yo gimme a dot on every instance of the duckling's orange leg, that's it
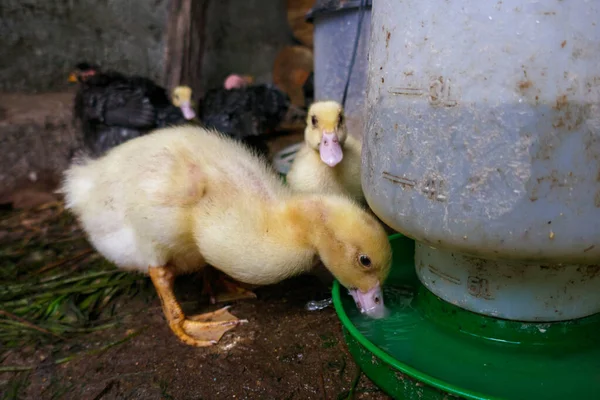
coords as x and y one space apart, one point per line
233 290
200 330
207 286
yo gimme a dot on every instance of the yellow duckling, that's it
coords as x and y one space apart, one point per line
180 198
181 97
329 161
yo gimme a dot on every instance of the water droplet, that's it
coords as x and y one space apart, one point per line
316 305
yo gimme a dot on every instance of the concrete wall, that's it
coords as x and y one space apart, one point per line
244 37
41 40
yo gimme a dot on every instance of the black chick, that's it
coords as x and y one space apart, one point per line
113 108
245 113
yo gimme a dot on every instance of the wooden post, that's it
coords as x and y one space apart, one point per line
292 66
184 47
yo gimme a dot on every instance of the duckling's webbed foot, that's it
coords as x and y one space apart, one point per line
211 326
200 330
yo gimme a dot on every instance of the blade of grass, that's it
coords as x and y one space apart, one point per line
15 369
27 323
24 327
25 301
76 355
63 261
51 285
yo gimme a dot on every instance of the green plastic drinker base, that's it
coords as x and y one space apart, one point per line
427 348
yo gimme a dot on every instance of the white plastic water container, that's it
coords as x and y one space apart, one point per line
482 142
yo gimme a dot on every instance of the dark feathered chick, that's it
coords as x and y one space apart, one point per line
246 112
113 108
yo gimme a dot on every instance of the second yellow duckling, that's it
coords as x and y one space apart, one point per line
179 198
330 160
181 97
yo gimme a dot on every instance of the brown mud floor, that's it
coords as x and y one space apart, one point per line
283 352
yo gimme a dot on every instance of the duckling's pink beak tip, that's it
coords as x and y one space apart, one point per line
370 303
330 149
187 110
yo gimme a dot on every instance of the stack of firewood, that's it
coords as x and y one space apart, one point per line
294 64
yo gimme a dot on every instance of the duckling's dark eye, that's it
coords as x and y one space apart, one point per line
364 260
314 121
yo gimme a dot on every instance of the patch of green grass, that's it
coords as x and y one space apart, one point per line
54 307
12 390
53 286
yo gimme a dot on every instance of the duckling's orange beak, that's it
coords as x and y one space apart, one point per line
371 302
330 149
72 77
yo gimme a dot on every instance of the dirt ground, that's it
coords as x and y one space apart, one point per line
283 352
